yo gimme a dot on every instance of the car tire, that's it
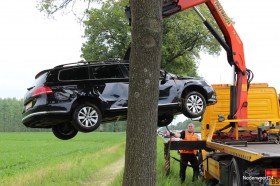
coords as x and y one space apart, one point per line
87 117
164 120
194 104
64 131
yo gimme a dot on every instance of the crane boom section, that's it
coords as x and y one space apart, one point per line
235 53
224 22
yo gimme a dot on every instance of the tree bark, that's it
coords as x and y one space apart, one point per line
140 155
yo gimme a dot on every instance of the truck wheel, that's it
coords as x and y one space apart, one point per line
194 104
64 131
234 174
87 117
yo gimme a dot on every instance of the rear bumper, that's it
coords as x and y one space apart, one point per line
45 119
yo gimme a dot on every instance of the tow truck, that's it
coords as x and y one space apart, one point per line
240 133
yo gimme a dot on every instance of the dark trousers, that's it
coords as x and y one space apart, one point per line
185 158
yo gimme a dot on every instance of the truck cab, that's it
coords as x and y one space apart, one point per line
249 155
263 111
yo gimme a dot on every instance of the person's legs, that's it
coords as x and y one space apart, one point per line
194 163
183 167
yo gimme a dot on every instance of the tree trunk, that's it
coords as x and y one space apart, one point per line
140 155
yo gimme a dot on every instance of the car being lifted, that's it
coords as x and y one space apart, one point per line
80 96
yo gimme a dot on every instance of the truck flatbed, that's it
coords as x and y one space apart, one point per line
267 150
249 152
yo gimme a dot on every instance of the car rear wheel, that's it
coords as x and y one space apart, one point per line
164 120
64 131
194 104
87 117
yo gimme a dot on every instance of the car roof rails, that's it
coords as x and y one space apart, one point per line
115 60
72 64
109 61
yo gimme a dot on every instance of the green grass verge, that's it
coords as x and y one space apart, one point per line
41 159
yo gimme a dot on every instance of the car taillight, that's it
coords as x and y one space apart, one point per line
273 172
42 90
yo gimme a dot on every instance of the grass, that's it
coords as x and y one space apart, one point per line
173 178
41 159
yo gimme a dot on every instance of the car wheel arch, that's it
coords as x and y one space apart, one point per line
193 88
87 99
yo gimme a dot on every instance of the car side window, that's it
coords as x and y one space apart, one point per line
127 68
106 72
80 73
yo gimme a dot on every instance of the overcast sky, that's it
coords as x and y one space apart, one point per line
29 43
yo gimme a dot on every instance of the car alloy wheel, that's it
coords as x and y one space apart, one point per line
87 117
194 105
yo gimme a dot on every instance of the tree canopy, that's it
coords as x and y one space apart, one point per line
108 35
107 32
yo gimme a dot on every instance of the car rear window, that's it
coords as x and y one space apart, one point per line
40 80
80 73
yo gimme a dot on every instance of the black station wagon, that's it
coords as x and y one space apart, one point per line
80 96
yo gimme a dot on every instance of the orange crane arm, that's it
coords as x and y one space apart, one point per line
231 43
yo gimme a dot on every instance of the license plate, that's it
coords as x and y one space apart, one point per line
274 181
28 105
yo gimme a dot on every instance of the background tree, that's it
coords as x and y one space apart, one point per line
108 35
107 32
10 116
145 58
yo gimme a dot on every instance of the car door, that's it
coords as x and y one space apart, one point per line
110 84
167 89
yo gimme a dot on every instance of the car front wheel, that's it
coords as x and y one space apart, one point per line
194 104
87 117
64 131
